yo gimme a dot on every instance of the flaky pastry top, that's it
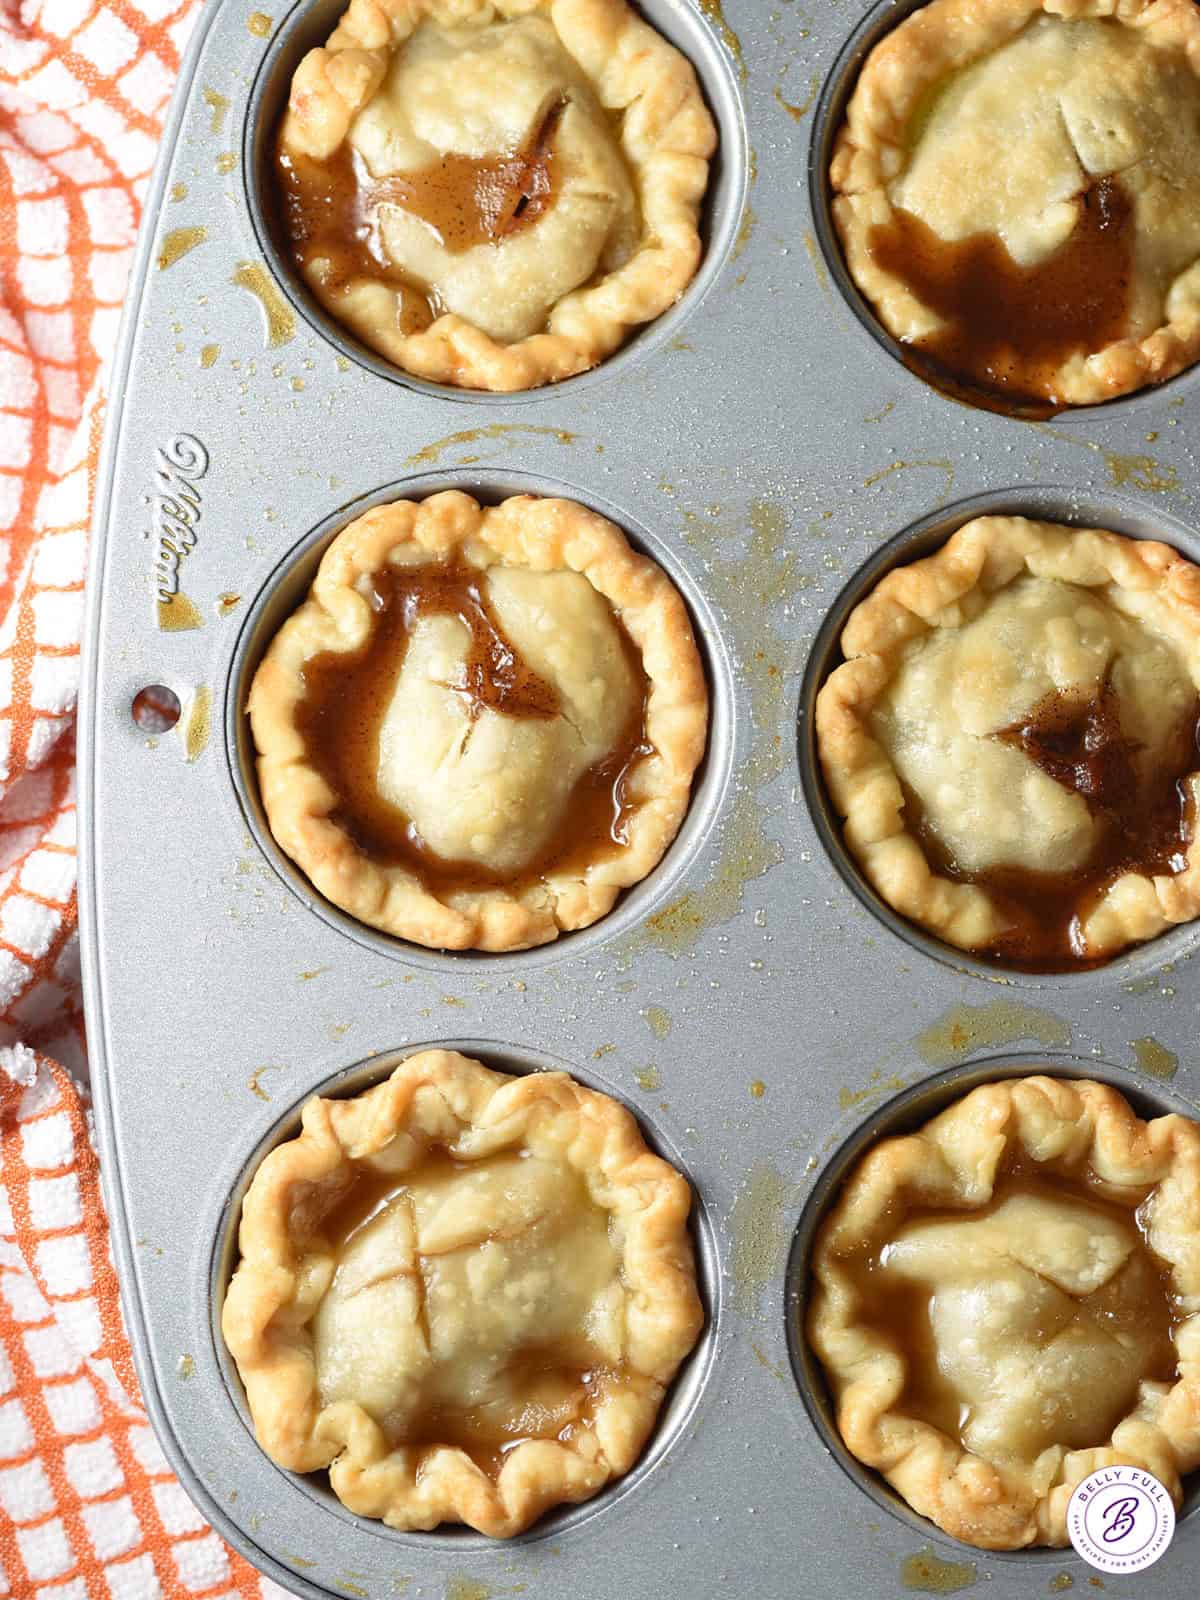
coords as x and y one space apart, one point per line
1034 1305
948 653
544 1236
406 83
999 117
485 788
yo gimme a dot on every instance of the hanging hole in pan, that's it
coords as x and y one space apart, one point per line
155 708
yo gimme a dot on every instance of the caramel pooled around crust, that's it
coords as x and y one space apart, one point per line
416 1412
1081 1133
1025 815
603 627
600 233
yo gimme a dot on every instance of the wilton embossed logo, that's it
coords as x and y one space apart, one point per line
1120 1519
175 518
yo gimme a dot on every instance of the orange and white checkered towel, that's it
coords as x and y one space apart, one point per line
88 1507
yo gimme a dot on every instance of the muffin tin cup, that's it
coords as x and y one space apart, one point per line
286 588
676 1419
310 22
749 1002
1073 508
903 1114
828 114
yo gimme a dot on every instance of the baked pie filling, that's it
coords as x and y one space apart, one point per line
1007 1301
1018 195
493 195
440 657
1031 1322
464 1293
464 738
1012 741
509 1263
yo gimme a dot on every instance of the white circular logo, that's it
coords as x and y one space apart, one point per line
1121 1519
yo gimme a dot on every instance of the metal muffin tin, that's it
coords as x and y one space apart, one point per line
752 1002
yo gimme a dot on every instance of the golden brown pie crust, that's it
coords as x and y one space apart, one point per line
666 138
524 532
876 146
1140 577
1082 1130
287 1265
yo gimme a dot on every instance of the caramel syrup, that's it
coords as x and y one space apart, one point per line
1080 744
557 1403
1146 827
557 1396
330 209
1007 328
347 695
900 1310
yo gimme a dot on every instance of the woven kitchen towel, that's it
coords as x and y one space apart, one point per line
88 1507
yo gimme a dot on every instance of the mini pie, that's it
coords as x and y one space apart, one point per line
1017 190
494 193
1012 741
483 723
464 1293
1009 1300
